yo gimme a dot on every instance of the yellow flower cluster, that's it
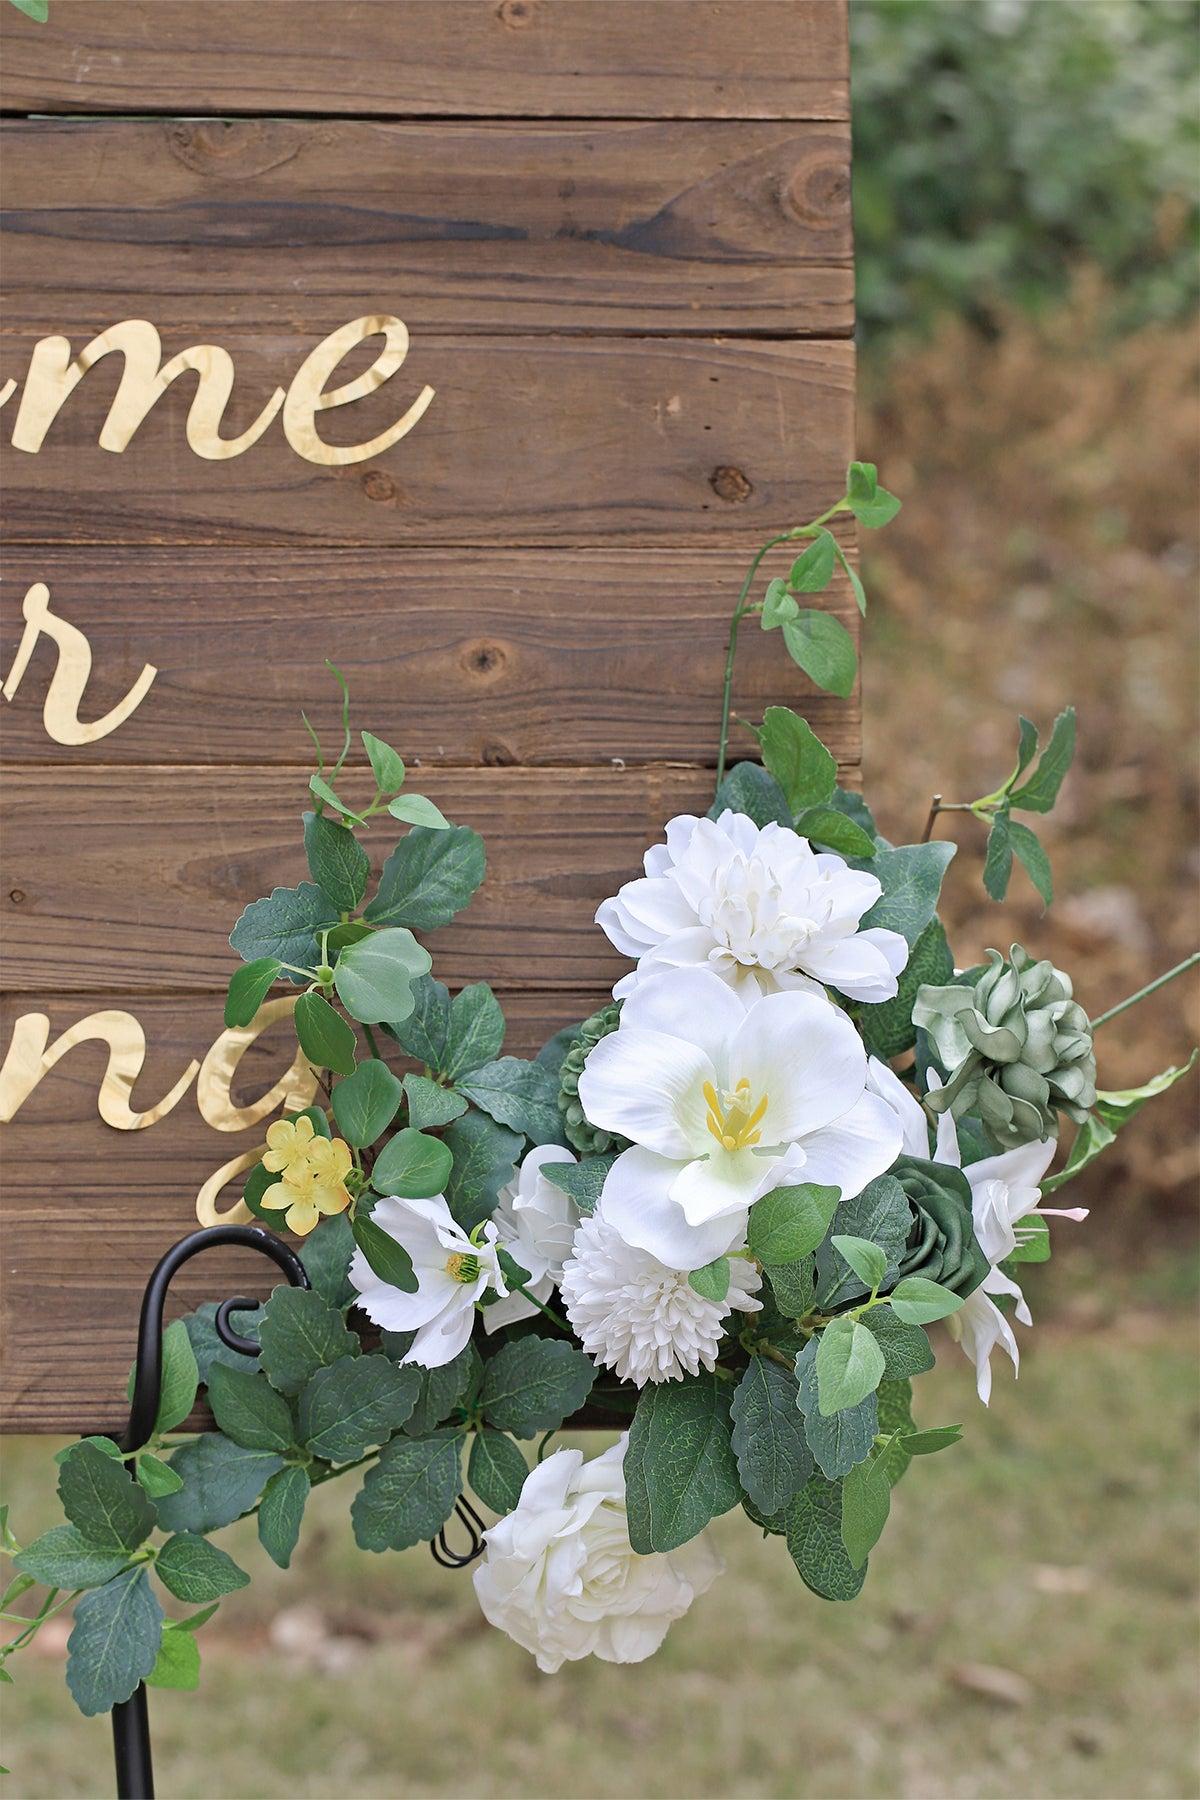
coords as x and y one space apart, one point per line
312 1173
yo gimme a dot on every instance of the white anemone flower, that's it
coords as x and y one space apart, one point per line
536 1222
451 1271
1004 1190
723 1102
635 1315
758 906
559 1575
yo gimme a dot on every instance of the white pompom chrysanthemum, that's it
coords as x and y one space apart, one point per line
639 1317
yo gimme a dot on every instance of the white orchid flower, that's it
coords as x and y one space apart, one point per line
452 1272
759 907
1004 1190
536 1223
725 1101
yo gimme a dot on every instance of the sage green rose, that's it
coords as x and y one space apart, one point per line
588 1139
1017 1045
942 1245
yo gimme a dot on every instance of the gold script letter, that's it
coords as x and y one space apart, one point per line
29 1059
60 715
53 375
298 1083
307 395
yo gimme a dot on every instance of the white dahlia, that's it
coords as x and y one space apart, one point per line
758 906
639 1317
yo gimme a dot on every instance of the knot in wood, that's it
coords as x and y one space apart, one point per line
378 486
728 483
484 659
515 14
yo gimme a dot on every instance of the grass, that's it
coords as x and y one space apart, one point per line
1055 1547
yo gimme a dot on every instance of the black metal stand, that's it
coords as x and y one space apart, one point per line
131 1719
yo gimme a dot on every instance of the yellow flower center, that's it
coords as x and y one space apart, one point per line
733 1117
462 1267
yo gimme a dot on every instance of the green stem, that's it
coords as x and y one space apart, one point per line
549 1311
739 613
370 1037
1189 962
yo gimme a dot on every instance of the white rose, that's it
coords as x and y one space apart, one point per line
560 1577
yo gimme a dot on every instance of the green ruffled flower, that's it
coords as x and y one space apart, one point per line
942 1244
1017 1046
588 1139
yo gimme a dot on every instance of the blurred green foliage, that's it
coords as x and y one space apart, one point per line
1000 144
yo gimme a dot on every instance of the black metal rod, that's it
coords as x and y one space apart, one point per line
131 1718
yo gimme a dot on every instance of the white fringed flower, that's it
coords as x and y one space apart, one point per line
536 1222
641 1318
560 1576
451 1271
759 907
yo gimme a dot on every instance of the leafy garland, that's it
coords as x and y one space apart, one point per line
796 1405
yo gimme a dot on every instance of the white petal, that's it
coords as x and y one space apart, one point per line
648 1087
516 1306
653 907
858 966
637 1203
805 1056
1021 1168
862 1144
692 1004
442 1338
908 1109
722 1186
979 1326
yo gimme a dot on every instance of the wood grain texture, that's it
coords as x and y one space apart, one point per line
756 59
482 657
548 441
151 867
475 228
88 1211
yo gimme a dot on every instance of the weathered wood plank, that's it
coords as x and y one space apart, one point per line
548 441
496 657
695 228
519 58
88 1210
149 868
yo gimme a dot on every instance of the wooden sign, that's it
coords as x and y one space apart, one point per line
482 371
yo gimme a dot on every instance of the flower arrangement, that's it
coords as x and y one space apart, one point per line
720 1215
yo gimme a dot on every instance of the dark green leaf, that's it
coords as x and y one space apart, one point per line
374 977
280 1512
365 1104
429 1104
412 1165
792 1286
326 1257
425 1033
522 1095
62 1557
101 1498
428 878
337 861
583 1180
206 1345
409 1493
114 1643
534 1383
796 757
1032 858
387 765
248 988
849 1366
880 1213
284 925
325 1037
752 790
680 1470
1040 791
347 1409
712 1281
814 1541
496 1470
888 1029
928 1443
485 1155
997 862
773 1457
180 1378
1027 743
905 1348
301 1333
221 1481
441 1390
828 826
475 1033
821 646
911 877
790 1222
249 1410
177 1664
387 1257
855 580
812 570
196 1571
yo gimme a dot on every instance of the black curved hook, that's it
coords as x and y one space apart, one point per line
440 1550
130 1718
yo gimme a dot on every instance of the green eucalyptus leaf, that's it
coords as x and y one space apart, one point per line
712 1281
374 977
849 1365
918 1301
413 1165
790 1222
248 988
911 878
754 791
417 809
366 1102
388 1258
